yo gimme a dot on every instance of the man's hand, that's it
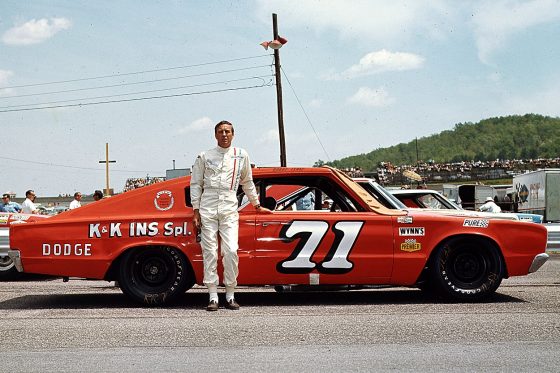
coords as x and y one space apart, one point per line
196 219
263 210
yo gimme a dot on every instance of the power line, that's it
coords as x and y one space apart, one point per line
73 167
136 99
305 113
139 92
136 72
134 83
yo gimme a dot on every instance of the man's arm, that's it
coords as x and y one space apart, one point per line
197 182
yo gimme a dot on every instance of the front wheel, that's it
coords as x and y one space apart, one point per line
8 269
154 275
467 269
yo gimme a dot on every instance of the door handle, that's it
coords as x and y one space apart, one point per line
267 223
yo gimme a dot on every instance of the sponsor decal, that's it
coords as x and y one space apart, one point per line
476 223
411 245
67 249
4 218
164 200
138 229
412 231
404 219
19 217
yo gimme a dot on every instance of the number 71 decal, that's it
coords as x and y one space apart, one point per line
310 235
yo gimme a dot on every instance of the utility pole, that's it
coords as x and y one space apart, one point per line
279 94
107 161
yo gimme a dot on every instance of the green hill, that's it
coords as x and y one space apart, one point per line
511 137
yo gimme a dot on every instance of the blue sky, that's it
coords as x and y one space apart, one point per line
369 74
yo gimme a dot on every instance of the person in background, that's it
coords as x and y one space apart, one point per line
28 207
97 195
9 206
76 202
490 206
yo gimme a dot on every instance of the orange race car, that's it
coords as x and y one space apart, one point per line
145 240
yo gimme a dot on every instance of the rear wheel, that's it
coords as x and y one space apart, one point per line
467 269
154 275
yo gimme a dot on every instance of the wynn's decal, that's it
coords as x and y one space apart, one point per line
164 200
412 231
66 249
476 223
4 218
411 245
138 229
310 235
404 219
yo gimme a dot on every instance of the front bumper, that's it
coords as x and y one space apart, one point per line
538 261
16 258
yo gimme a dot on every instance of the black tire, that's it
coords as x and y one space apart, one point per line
467 269
8 269
154 275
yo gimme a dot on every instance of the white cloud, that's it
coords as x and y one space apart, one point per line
362 19
382 61
496 21
371 97
35 31
199 125
269 137
316 103
4 77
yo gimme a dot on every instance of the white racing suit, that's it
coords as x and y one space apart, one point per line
216 175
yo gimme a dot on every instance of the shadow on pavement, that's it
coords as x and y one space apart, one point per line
246 298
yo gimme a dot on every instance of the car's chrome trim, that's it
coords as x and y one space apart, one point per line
539 260
16 258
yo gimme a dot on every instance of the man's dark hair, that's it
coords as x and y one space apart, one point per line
77 194
29 192
98 193
5 195
223 122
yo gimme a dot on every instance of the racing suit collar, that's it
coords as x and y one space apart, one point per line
222 150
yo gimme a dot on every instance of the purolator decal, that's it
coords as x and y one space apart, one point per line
411 245
476 223
412 231
164 200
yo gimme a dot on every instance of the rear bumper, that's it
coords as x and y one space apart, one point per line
538 261
16 258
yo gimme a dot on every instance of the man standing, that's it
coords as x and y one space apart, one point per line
490 206
7 205
28 207
216 175
76 202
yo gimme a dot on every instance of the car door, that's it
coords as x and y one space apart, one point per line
318 247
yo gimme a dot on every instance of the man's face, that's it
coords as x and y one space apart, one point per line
78 197
31 196
224 135
5 200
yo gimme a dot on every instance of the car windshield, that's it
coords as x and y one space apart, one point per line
370 199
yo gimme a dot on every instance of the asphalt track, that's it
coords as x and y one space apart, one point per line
49 326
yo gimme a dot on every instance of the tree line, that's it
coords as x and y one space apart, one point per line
528 136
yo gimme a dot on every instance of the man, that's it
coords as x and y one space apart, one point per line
76 202
97 195
216 176
490 206
28 207
7 205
